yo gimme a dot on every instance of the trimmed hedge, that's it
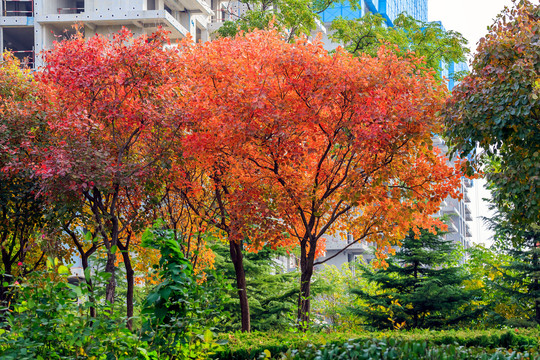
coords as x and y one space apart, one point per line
243 346
393 349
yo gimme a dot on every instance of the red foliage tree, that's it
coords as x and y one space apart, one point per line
22 214
317 143
110 106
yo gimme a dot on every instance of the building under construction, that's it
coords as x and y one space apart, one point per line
28 27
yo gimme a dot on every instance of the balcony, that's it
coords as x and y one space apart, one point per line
468 232
18 13
452 228
468 214
338 243
147 19
75 10
450 208
194 6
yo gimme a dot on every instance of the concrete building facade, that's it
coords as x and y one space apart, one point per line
28 27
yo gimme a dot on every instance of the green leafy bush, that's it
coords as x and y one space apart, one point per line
396 349
49 321
50 317
180 313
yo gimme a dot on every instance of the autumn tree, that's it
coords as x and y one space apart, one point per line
23 215
110 105
320 142
497 109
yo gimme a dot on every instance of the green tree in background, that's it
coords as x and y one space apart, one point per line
422 287
484 268
497 108
295 17
423 39
520 278
335 300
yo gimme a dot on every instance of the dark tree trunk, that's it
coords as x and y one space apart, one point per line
536 286
304 298
130 284
88 279
237 259
110 267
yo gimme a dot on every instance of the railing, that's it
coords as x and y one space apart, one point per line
28 12
70 10
221 16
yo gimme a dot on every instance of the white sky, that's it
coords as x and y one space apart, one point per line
471 18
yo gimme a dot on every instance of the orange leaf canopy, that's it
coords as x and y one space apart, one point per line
327 142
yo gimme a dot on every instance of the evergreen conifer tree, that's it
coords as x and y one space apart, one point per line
521 277
272 293
420 288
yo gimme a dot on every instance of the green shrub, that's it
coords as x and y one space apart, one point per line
50 319
179 313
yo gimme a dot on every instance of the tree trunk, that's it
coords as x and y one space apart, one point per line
110 268
304 301
110 291
93 312
130 283
304 298
237 259
536 286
